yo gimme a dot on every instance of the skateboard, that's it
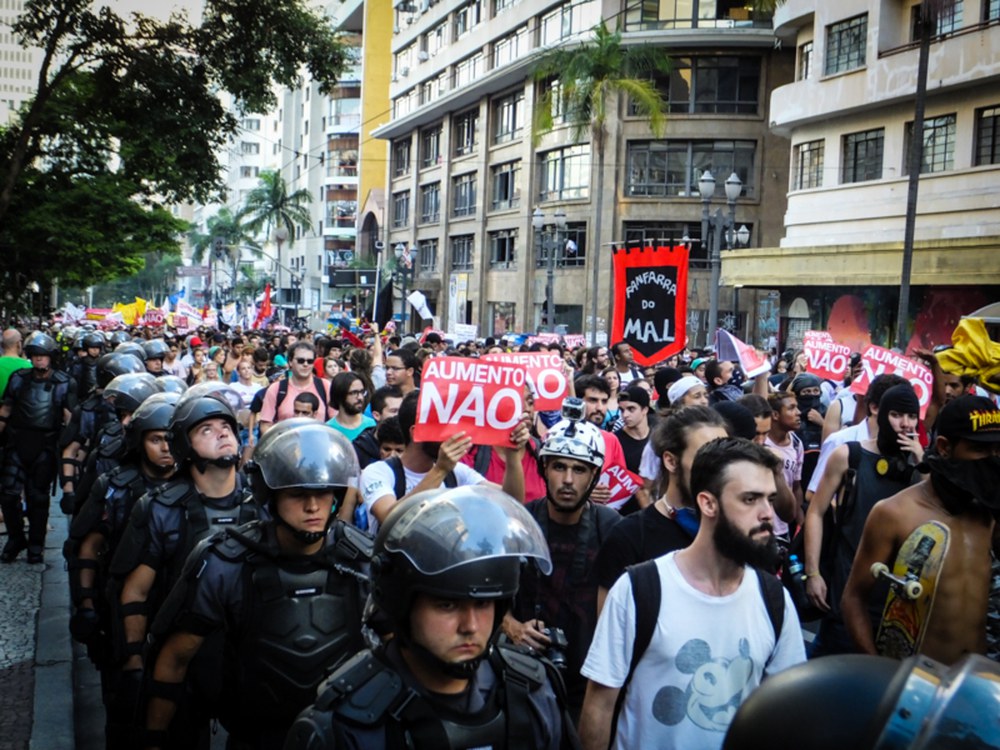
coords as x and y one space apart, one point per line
912 586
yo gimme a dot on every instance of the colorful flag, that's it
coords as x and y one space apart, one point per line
264 314
730 348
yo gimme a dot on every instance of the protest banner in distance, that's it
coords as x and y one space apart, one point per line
544 373
622 483
825 358
484 399
876 360
730 348
651 301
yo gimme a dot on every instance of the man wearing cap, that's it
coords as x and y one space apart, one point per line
962 491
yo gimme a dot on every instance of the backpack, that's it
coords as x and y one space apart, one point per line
645 580
318 384
396 464
481 462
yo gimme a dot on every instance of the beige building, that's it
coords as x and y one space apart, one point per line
18 66
465 174
849 116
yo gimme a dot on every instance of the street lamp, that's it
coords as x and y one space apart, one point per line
720 225
279 235
550 244
405 258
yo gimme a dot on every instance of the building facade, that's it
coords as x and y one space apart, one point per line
466 168
849 117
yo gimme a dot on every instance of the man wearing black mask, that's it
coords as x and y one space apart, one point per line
962 492
883 466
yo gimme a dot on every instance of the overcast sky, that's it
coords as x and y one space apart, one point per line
157 8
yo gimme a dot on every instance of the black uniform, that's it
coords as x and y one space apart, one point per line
84 371
86 427
375 702
287 620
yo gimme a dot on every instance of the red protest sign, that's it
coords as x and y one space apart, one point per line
825 358
154 317
482 398
622 483
545 376
876 360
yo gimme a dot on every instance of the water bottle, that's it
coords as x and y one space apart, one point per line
796 582
795 567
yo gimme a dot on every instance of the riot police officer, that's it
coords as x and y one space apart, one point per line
287 592
156 351
206 495
88 347
37 404
445 567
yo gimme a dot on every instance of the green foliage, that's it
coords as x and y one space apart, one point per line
224 224
270 206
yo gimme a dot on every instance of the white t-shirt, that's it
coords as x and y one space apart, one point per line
857 432
377 481
706 656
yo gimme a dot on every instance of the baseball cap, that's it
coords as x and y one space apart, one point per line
969 418
636 396
698 363
195 342
679 389
739 419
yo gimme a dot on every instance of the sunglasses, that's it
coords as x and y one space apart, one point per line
304 361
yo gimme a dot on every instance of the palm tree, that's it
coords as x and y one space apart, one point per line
593 75
224 224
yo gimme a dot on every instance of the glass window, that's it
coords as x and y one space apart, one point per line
427 257
673 168
572 246
808 165
505 181
805 61
400 158
949 19
468 70
508 117
991 10
501 5
461 253
401 208
430 146
435 39
249 148
467 18
988 135
863 156
711 84
430 203
466 132
463 195
507 49
565 173
504 317
656 233
557 25
503 248
939 145
846 42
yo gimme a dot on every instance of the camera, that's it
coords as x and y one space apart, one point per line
558 643
573 409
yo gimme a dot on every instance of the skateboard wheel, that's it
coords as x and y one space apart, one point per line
913 589
879 569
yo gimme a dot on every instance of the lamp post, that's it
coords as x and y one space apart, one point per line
404 265
720 224
279 235
549 241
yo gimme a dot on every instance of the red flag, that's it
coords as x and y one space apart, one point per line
351 339
265 308
728 347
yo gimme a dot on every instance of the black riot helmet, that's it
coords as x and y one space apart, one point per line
156 349
132 347
152 415
126 392
118 337
199 403
172 384
302 453
40 344
92 340
113 364
461 543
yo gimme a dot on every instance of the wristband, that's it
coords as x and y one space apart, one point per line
814 574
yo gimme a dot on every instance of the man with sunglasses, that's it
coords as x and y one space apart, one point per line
280 395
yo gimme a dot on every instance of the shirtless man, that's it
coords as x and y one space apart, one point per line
962 493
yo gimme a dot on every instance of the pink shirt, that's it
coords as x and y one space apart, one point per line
287 408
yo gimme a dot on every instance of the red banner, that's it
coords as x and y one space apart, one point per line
545 376
651 301
265 309
622 483
825 358
875 360
153 317
482 398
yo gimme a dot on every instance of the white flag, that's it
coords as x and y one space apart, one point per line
419 301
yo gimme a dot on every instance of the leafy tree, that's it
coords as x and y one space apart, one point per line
593 75
270 206
229 226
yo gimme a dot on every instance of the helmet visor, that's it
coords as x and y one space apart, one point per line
310 455
438 531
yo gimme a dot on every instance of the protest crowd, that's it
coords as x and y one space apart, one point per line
358 539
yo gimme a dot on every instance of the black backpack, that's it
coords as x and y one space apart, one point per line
318 384
396 464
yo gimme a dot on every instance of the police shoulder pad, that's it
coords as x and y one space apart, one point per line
122 476
521 662
362 691
353 544
173 492
234 543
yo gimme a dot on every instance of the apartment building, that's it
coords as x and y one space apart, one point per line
849 116
466 171
18 66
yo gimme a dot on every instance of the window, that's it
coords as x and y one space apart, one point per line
248 148
401 208
991 10
427 256
249 171
808 165
673 167
863 156
556 25
552 94
949 19
468 70
251 123
988 135
502 248
505 181
504 317
466 132
430 146
565 173
712 84
461 253
508 116
467 17
845 44
403 61
507 49
805 61
463 195
501 5
400 158
655 233
434 40
430 203
939 145
573 251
